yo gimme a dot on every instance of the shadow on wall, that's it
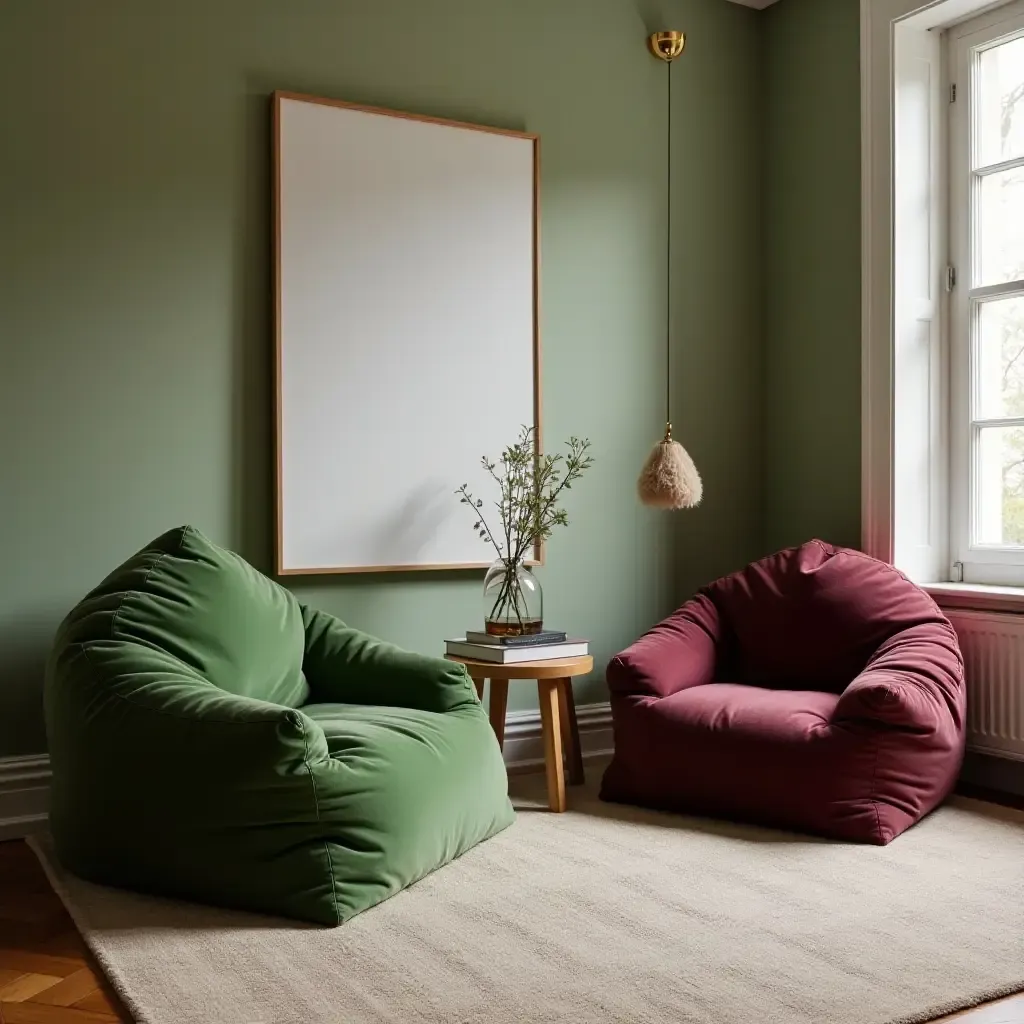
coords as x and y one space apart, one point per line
657 15
253 400
25 642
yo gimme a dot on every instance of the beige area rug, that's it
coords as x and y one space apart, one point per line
606 914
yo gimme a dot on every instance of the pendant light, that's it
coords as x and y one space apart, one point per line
669 478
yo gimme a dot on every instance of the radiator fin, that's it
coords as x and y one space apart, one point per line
993 649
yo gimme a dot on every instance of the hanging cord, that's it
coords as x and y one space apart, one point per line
668 269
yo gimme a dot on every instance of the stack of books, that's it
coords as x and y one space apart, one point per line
508 650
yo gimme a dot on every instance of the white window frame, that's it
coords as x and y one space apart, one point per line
920 343
883 22
979 563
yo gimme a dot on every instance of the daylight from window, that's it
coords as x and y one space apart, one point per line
998 323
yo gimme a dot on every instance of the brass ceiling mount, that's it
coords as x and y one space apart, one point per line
666 46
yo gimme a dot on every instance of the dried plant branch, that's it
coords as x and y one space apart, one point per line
531 486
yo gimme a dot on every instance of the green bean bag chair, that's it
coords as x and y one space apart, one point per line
213 739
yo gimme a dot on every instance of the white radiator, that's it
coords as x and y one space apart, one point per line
993 649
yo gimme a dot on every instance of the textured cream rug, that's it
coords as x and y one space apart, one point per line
606 914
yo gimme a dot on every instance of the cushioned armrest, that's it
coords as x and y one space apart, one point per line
346 666
911 682
172 710
678 653
884 698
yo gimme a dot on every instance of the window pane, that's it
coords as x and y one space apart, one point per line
1000 477
1001 227
1001 102
1000 359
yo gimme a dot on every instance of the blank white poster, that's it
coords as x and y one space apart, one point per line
406 318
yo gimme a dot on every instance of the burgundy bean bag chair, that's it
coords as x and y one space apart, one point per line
817 690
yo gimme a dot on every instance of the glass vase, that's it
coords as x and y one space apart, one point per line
513 600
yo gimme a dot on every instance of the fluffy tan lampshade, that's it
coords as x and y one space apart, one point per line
669 478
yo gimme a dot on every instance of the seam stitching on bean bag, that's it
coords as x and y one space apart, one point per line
871 794
130 593
319 821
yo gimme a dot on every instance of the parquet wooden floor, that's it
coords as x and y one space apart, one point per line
48 977
46 973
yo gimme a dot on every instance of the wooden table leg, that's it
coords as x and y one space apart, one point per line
547 692
498 707
570 733
479 684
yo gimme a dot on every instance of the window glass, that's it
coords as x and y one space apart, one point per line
1000 477
1000 107
1001 227
999 365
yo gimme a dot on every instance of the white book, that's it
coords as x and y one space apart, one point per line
514 655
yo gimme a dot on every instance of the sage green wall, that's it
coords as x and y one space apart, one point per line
135 286
812 272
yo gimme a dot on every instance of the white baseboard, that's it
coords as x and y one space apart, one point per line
524 745
25 781
24 794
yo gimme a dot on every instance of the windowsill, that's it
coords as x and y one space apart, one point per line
977 596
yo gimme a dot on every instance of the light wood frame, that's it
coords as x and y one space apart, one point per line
277 98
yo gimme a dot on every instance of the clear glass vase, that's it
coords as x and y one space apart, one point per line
513 600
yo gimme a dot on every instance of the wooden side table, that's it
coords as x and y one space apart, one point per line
557 711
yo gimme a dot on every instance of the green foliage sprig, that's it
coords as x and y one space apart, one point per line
531 486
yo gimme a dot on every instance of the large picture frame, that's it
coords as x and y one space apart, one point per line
407 340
